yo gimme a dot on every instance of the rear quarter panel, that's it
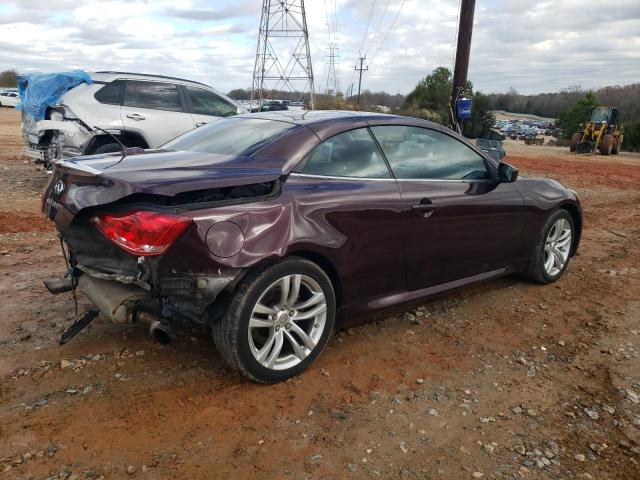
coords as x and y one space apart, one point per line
82 103
349 223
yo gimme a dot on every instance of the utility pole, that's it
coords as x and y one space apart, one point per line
349 91
362 59
463 49
283 35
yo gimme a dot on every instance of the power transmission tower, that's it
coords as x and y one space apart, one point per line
283 36
463 49
360 70
333 85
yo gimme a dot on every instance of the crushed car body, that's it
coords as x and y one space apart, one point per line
193 184
65 115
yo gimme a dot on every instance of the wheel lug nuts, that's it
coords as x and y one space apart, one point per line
277 328
288 326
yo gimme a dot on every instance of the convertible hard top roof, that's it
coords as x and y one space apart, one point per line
305 117
326 123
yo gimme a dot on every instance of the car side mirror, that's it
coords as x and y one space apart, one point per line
507 173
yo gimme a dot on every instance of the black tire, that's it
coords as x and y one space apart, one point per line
107 148
606 145
617 145
575 139
230 332
536 271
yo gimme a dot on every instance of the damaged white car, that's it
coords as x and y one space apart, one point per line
105 111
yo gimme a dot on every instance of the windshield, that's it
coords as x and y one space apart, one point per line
599 115
230 136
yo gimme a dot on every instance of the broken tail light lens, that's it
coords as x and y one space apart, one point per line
141 232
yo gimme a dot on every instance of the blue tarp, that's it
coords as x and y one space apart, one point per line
38 91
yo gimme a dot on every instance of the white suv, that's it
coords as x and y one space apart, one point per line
140 110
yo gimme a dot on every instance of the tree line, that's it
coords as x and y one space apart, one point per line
430 100
572 106
9 78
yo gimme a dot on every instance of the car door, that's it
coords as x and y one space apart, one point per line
207 106
348 198
156 110
460 221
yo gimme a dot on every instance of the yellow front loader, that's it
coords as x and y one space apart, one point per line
601 133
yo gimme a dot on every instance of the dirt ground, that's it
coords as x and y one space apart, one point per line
505 380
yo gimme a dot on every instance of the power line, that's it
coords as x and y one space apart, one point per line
366 31
455 38
335 19
332 86
384 39
384 13
331 19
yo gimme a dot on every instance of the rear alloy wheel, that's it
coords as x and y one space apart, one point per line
553 249
278 322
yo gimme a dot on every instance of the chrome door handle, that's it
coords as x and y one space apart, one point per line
199 124
136 116
425 208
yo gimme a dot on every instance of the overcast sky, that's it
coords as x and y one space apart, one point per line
531 46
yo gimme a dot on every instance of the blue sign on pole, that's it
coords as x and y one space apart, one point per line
463 108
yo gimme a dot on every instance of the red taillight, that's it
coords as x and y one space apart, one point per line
141 232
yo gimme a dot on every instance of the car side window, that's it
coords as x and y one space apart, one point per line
349 154
205 102
153 95
111 93
421 153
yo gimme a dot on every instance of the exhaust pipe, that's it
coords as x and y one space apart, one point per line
117 301
58 285
160 331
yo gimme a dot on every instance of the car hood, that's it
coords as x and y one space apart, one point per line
101 179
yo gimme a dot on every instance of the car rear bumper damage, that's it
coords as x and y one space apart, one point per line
147 297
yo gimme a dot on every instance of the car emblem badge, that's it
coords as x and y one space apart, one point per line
58 188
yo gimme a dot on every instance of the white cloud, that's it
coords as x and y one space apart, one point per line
531 46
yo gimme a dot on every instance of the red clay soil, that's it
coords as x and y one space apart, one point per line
23 222
505 380
595 170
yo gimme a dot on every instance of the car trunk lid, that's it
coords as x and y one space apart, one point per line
102 179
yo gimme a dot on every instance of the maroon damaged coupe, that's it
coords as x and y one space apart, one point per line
276 228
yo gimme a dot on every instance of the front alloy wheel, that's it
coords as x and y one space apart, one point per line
278 321
552 251
557 247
